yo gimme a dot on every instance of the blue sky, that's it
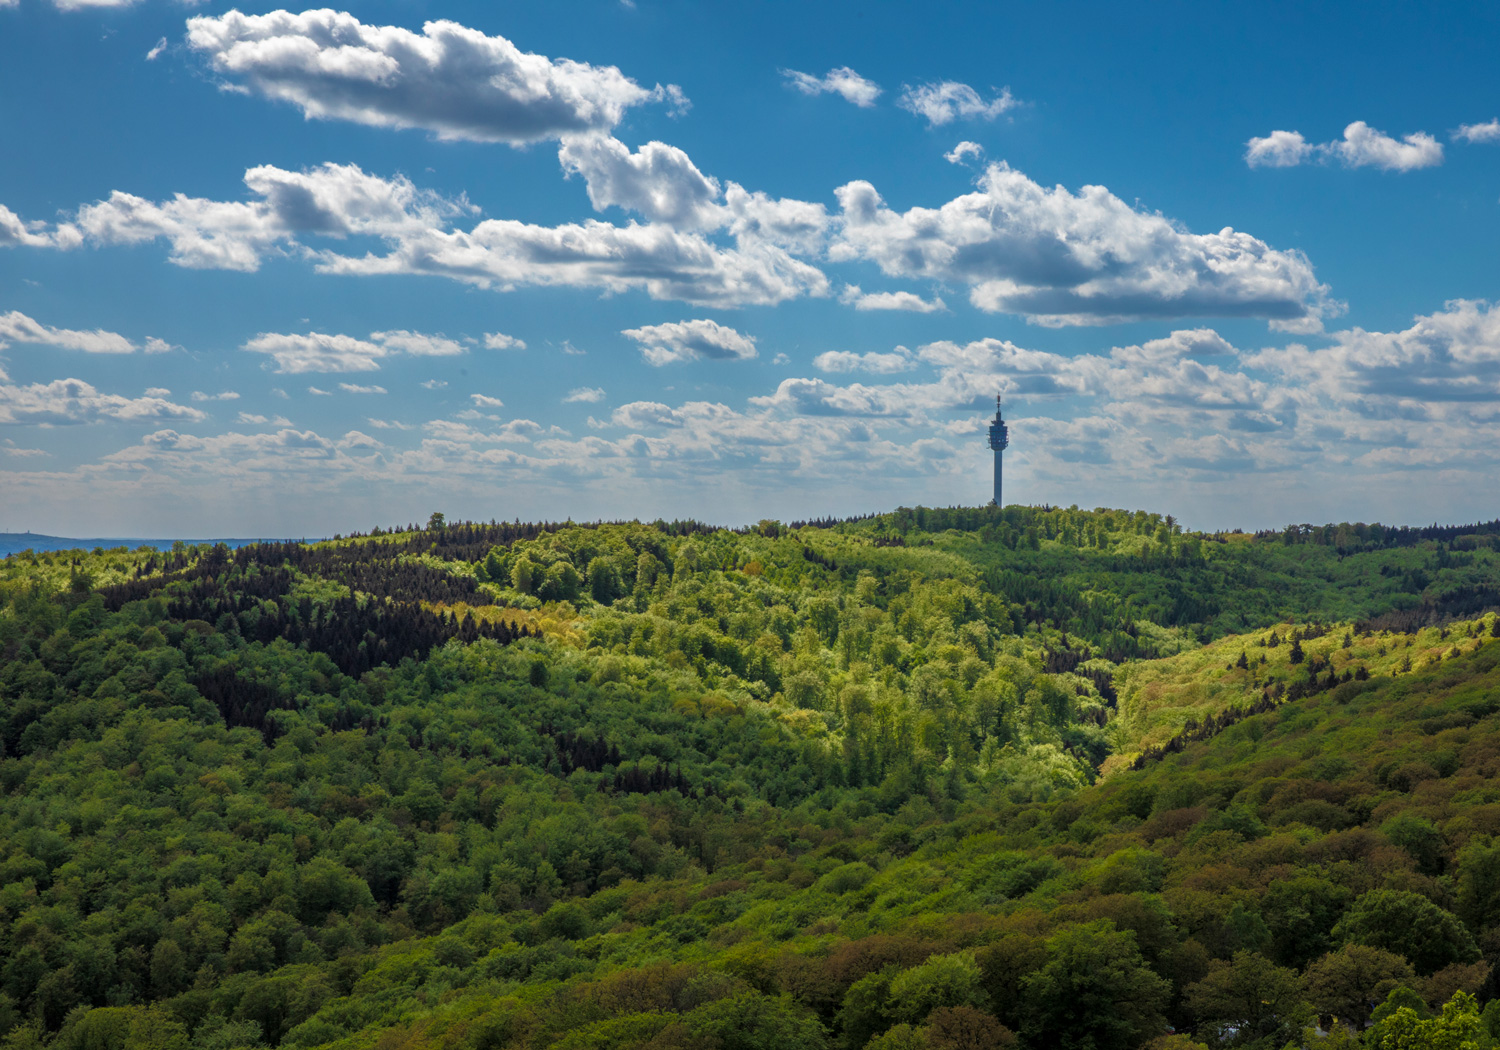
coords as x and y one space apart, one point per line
266 270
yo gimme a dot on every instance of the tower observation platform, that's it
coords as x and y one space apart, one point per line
999 441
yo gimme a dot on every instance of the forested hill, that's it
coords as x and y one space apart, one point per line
936 778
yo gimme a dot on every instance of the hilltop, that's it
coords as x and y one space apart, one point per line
940 777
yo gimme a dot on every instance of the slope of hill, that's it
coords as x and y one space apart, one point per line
959 778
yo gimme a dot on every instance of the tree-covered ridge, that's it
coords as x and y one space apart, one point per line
620 784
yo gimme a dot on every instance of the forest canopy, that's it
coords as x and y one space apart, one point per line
963 777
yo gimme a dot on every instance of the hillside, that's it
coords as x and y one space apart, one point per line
946 778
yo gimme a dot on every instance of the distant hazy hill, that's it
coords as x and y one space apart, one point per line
15 542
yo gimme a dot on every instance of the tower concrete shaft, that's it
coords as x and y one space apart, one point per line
999 441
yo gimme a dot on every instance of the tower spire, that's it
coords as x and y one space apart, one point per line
999 441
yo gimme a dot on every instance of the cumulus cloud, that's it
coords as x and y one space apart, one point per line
434 384
351 388
910 301
334 200
1452 356
501 341
258 420
842 81
963 151
317 352
1199 342
1362 146
658 181
900 360
485 401
338 202
225 395
1054 256
678 341
14 233
320 352
1060 258
588 394
1279 149
1184 407
16 327
418 344
662 184
65 401
1489 132
453 81
945 101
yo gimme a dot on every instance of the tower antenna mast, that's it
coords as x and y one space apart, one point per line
999 441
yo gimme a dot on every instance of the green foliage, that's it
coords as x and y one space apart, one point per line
1412 925
864 784
1094 991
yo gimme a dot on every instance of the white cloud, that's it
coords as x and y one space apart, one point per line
1489 132
15 233
317 352
501 341
842 81
900 360
517 430
1060 258
319 393
16 327
1362 146
1179 413
946 101
418 344
1199 342
351 388
909 301
678 341
1451 356
337 202
485 401
357 439
159 346
332 200
320 352
451 80
255 419
963 151
155 52
226 395
1279 149
434 384
658 181
588 394
64 401
158 391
